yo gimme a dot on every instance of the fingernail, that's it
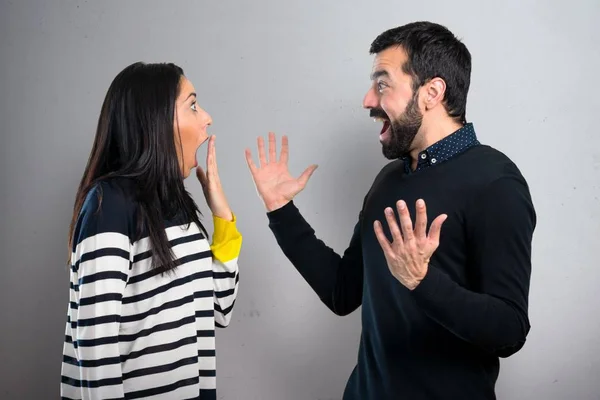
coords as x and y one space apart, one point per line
401 204
420 203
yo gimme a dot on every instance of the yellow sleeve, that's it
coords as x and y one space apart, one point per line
227 241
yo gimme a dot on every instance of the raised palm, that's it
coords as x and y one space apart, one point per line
274 183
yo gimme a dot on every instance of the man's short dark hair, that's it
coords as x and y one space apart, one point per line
433 51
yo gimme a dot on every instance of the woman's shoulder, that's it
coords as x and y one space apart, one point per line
108 207
113 195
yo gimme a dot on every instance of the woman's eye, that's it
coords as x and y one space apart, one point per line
194 106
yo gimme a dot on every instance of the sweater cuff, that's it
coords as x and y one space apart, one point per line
428 288
283 213
227 241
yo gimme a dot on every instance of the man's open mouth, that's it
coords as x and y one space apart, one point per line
385 129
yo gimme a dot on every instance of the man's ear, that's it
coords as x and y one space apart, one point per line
435 90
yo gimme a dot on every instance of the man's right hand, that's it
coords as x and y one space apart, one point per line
275 186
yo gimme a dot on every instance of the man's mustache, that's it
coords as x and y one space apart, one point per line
378 113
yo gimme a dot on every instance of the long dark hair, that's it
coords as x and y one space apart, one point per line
135 140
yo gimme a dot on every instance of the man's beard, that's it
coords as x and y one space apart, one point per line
402 130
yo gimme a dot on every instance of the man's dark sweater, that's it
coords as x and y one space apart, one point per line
442 340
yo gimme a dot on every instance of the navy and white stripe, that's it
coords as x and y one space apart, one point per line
132 332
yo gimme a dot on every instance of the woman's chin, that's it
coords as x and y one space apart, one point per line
186 172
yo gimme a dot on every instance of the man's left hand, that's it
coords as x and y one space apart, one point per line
408 254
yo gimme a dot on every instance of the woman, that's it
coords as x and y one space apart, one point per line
147 288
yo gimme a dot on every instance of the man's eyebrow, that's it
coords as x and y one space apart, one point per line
379 73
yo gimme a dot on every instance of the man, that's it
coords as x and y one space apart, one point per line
440 304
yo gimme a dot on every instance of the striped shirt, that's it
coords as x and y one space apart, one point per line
131 331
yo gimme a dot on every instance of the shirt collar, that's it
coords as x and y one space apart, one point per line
445 149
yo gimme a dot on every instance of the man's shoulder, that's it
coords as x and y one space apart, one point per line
491 174
489 164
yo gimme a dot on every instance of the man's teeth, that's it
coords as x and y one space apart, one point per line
379 120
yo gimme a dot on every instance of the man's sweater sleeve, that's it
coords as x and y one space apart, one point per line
337 280
494 316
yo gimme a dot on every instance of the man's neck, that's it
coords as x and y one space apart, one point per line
430 134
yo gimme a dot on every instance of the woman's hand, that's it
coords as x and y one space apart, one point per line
211 184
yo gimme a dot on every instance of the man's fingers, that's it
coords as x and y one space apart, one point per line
272 148
284 150
249 161
421 220
261 152
405 221
436 228
303 179
393 225
383 242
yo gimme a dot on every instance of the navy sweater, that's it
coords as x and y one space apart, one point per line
442 340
